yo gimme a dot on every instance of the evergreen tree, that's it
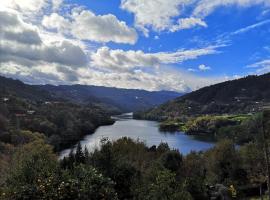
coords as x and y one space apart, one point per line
79 155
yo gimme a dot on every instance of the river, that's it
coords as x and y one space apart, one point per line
143 130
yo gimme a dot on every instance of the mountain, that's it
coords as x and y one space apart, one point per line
245 95
26 107
17 88
126 100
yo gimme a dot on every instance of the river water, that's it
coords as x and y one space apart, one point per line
146 131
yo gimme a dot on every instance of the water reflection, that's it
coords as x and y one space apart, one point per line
146 131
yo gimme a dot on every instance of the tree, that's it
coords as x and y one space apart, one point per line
32 166
194 173
79 155
165 187
266 136
84 183
172 160
253 163
223 164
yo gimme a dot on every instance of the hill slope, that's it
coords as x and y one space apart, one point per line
17 88
244 95
26 107
127 100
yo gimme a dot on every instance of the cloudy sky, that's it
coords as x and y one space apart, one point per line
178 45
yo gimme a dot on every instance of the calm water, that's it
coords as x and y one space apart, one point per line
143 130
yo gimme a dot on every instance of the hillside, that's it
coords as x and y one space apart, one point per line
12 87
126 100
26 107
243 95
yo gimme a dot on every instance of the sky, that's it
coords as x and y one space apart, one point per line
177 45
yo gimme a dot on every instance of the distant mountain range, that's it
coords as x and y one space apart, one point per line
120 100
127 100
243 95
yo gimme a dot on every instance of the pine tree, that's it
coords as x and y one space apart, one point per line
86 154
79 155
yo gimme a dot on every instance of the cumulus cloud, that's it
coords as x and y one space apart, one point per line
156 14
162 15
56 4
166 78
85 25
22 44
52 49
126 60
14 29
56 21
203 67
25 6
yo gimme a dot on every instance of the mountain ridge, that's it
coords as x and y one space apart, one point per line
115 99
126 100
244 95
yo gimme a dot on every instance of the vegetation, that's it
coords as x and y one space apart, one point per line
24 107
63 123
117 99
127 169
238 128
33 130
245 95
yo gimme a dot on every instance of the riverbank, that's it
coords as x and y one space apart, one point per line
214 127
145 131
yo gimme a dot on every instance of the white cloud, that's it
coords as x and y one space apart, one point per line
165 78
261 67
56 4
126 60
187 23
59 54
192 70
22 44
204 67
155 14
248 28
206 7
161 15
24 6
85 25
56 21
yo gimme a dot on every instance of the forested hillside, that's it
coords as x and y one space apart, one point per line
245 95
25 107
126 100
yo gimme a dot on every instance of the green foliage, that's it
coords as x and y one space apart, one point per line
253 162
172 160
32 166
35 174
127 169
85 182
63 123
194 171
223 164
165 187
245 95
209 124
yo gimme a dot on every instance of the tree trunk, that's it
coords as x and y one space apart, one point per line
261 195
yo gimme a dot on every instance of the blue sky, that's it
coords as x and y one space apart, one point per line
176 45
